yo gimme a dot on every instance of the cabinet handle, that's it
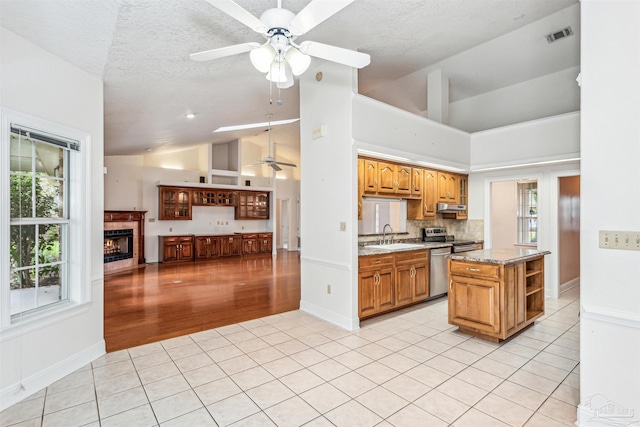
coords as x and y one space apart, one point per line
473 269
377 262
450 285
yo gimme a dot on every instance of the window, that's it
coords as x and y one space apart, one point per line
39 219
528 212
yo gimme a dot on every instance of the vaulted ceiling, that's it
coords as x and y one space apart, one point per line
140 48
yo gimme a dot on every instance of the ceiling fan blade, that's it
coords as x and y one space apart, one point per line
286 164
315 13
275 167
208 55
239 13
335 54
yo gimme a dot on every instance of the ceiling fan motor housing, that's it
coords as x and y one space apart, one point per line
276 18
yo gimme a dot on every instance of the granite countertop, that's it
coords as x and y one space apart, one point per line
215 234
366 250
498 256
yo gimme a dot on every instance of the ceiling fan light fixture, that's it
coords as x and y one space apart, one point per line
277 72
298 61
262 57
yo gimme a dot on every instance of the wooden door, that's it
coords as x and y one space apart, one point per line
420 281
370 177
447 188
360 186
226 245
170 249
175 203
386 289
386 178
417 182
186 249
403 180
367 284
429 194
202 247
404 282
475 303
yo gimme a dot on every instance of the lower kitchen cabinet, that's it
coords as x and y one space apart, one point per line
231 245
387 282
494 301
207 247
265 242
176 248
249 244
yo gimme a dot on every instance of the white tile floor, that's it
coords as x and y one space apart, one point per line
409 368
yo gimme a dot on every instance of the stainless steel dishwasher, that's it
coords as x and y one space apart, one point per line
438 276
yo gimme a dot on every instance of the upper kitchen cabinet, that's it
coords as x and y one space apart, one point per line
463 198
448 191
417 182
175 203
370 176
253 205
394 179
425 207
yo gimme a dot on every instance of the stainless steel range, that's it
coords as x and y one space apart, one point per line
438 264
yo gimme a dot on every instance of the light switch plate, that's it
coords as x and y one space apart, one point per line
343 226
626 240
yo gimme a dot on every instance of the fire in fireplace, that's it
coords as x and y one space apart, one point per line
118 245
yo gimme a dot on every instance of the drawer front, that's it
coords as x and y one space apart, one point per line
412 256
249 236
264 235
375 261
475 269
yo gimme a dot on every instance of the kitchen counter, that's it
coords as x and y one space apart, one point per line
498 256
366 250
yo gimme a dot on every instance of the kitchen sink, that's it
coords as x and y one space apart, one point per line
396 246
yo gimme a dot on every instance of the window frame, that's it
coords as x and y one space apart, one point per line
79 224
524 217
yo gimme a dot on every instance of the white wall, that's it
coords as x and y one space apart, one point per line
328 179
610 291
555 94
36 83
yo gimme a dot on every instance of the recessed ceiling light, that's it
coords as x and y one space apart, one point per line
255 125
190 115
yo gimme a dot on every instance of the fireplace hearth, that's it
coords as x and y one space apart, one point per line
118 245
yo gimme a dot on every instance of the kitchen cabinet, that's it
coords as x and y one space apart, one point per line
206 247
230 245
390 281
227 198
463 198
175 248
204 197
265 242
424 208
370 176
175 203
448 191
417 182
360 186
253 205
412 276
394 179
376 290
249 244
494 301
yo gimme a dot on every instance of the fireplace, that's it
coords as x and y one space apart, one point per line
118 245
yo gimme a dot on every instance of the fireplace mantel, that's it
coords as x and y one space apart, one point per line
130 216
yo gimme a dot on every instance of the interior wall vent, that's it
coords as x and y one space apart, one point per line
557 35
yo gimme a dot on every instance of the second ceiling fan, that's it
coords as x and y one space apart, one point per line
280 56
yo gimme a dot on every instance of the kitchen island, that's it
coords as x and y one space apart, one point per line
495 293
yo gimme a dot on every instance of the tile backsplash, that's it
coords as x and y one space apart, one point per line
471 229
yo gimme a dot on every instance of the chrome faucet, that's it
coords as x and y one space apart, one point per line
384 234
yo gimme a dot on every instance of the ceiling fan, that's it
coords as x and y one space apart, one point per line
280 57
271 161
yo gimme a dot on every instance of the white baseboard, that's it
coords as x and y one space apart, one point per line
330 316
569 284
17 392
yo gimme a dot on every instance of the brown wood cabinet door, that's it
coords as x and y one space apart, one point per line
447 188
403 179
429 194
367 284
170 252
420 282
404 281
386 178
475 304
360 186
175 203
186 249
370 177
417 181
386 289
202 247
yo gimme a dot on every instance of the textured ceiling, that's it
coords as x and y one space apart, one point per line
140 49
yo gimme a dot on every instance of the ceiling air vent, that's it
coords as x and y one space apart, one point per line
555 36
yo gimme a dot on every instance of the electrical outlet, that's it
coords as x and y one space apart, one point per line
343 226
152 220
626 240
329 289
170 229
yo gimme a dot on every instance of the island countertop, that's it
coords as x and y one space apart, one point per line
498 256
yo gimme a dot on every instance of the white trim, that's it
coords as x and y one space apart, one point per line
608 315
528 123
326 263
15 393
350 324
564 287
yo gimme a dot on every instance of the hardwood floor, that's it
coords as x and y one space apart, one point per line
161 301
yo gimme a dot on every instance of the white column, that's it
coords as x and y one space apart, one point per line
438 97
